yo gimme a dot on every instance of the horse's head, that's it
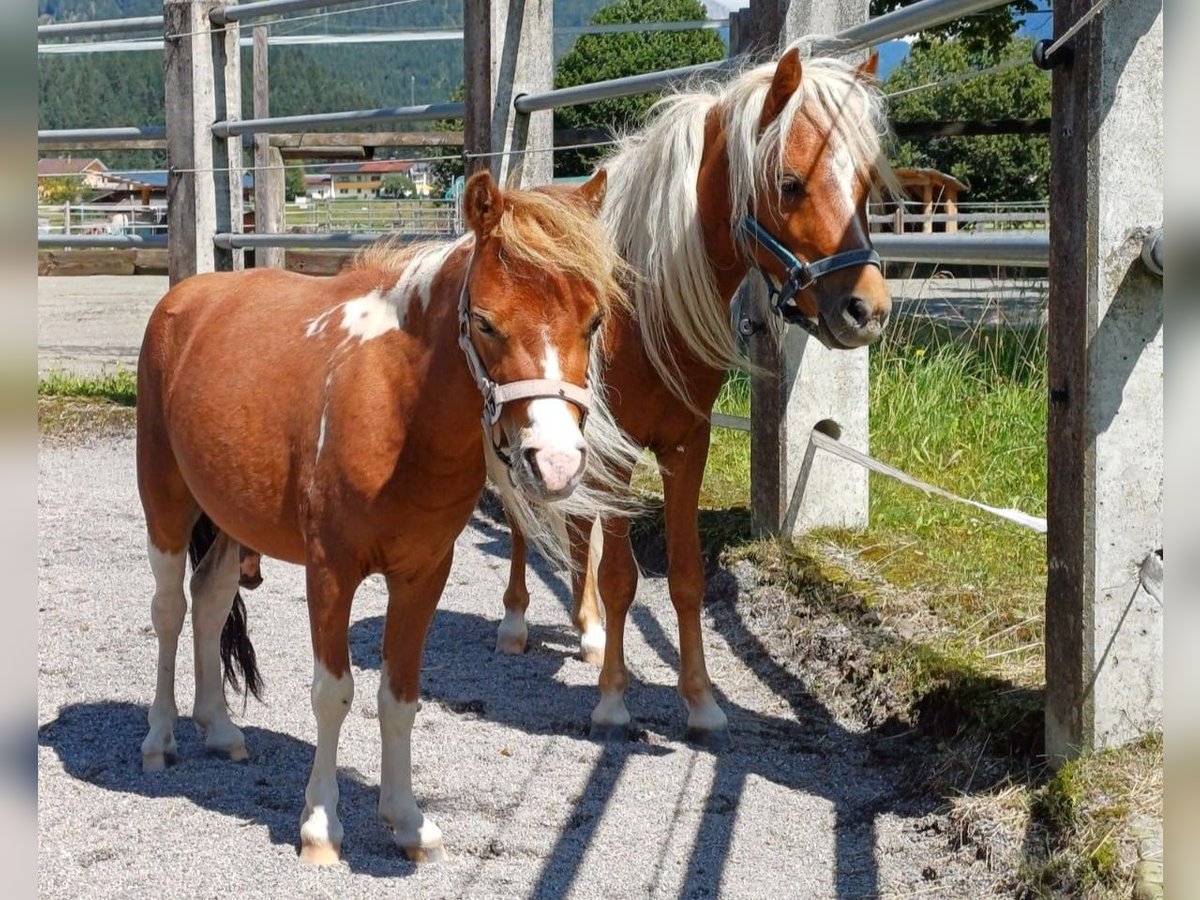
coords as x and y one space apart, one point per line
817 158
542 278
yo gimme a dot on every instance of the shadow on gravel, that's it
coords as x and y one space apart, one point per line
808 753
99 743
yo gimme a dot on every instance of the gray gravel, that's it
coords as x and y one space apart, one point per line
530 807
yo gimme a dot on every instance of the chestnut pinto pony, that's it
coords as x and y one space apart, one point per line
348 439
772 169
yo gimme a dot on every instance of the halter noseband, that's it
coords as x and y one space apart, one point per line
800 275
496 395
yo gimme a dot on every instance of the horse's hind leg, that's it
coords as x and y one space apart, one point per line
167 610
214 583
170 511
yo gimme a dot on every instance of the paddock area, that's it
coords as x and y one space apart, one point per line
800 805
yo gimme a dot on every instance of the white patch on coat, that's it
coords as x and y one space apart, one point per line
369 317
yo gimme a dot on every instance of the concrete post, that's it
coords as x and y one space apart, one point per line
269 183
202 83
793 488
522 54
1104 612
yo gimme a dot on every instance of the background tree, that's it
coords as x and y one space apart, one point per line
596 57
999 167
293 183
397 186
59 189
987 33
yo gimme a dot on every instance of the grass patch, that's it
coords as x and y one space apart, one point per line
117 386
1082 841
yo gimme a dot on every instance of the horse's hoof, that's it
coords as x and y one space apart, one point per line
434 853
154 762
714 740
234 753
249 582
592 656
607 733
510 646
321 854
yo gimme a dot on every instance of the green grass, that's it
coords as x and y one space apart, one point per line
118 386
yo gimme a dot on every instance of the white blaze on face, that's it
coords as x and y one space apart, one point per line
553 433
845 176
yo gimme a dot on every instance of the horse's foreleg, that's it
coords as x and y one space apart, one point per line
411 603
513 633
617 579
214 583
682 472
329 596
167 610
587 547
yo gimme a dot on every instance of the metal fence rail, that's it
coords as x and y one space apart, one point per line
1001 248
896 24
107 135
113 241
298 124
100 26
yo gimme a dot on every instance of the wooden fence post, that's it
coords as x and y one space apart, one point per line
1104 614
793 488
509 50
202 83
269 181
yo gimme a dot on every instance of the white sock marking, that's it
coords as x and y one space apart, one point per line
331 699
397 804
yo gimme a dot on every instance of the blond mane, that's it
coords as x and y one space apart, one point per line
551 232
652 207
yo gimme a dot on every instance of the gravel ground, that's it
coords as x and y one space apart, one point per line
800 806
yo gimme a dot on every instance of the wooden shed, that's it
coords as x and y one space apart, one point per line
931 193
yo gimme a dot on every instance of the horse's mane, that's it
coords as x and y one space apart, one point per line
652 207
538 231
548 231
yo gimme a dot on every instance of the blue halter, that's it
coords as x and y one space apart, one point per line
800 275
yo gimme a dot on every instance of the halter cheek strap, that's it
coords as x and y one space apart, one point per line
800 275
496 395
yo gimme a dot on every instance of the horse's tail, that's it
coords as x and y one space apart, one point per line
237 653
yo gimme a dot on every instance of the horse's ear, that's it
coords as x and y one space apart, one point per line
592 191
483 203
783 85
866 71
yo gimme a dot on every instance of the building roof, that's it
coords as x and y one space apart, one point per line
373 167
66 165
912 175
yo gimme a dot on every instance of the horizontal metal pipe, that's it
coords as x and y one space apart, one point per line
616 87
108 135
898 23
736 423
102 240
1029 248
294 124
101 26
902 22
337 240
244 12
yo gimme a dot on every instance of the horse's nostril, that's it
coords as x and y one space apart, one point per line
858 312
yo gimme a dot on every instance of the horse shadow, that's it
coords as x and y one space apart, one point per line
96 743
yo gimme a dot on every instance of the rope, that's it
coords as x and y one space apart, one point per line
1074 29
962 76
249 168
837 448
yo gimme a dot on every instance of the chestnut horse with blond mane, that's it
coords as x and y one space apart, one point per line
348 439
771 170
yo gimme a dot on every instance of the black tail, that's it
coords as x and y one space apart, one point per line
237 653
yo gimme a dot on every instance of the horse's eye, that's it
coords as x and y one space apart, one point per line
484 326
594 326
792 186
